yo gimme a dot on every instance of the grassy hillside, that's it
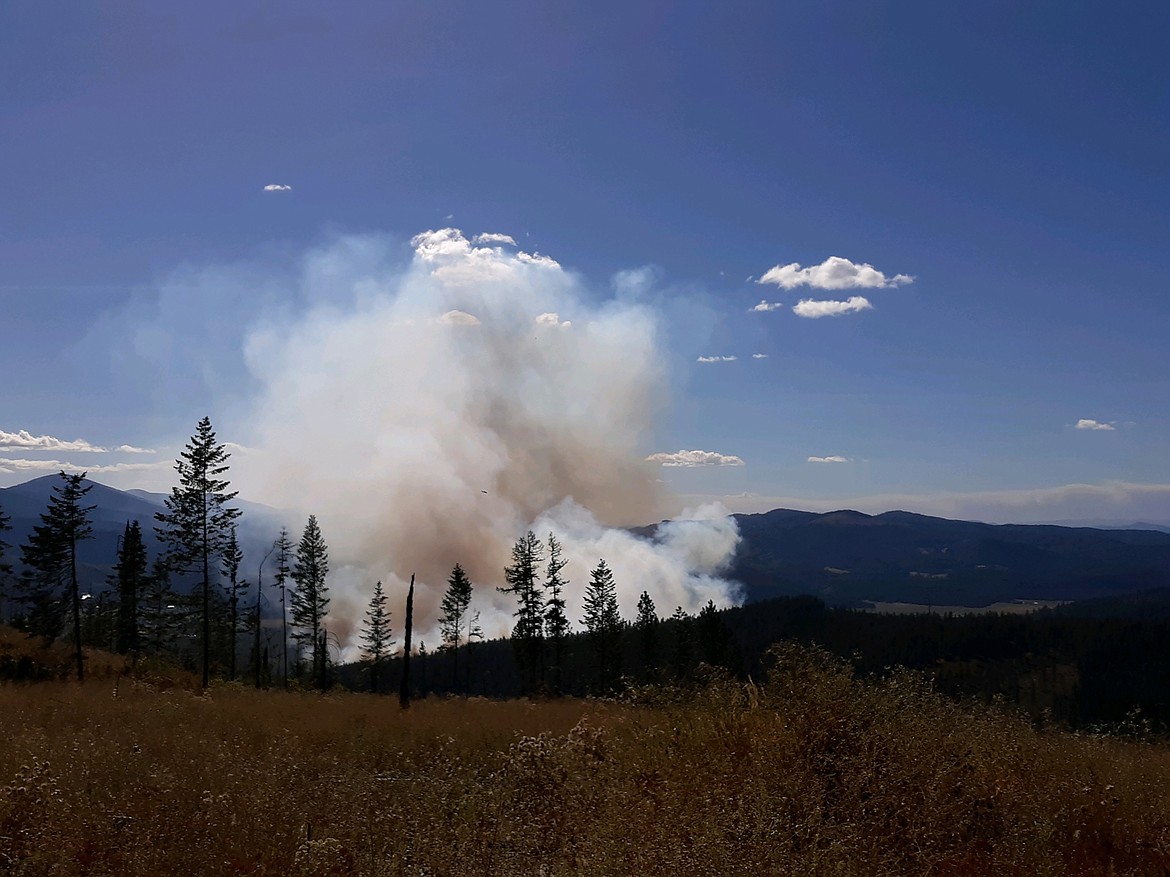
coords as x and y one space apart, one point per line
811 772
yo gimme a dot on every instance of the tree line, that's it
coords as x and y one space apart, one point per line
148 615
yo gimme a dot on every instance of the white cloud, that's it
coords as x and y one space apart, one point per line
493 238
694 459
455 261
553 321
10 466
1086 423
833 273
25 441
717 359
537 259
459 318
759 356
836 458
277 187
813 310
765 306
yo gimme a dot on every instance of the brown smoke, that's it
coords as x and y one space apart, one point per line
453 406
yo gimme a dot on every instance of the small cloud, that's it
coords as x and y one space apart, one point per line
765 306
759 356
833 273
1086 423
23 440
459 318
694 459
538 260
277 187
717 359
493 238
130 449
814 310
635 282
833 459
553 321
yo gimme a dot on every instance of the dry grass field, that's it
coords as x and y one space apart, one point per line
810 772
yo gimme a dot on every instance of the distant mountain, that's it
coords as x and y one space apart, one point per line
844 557
847 557
113 509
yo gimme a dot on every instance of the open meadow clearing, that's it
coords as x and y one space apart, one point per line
812 772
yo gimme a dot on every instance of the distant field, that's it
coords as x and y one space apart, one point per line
813 772
1015 607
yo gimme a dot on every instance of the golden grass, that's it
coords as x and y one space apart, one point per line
811 773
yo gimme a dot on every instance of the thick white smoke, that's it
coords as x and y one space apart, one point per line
433 415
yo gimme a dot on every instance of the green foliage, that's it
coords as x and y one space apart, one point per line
130 575
230 560
528 634
197 525
310 598
555 620
284 552
603 622
454 619
376 634
51 551
647 624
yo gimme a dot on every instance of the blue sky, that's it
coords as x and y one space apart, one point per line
1009 158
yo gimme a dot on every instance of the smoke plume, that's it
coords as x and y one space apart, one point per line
433 415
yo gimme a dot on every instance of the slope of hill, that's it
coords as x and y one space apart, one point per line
844 557
113 509
847 557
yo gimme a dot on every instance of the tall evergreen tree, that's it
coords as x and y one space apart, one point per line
284 553
51 551
130 574
158 616
454 618
230 560
198 520
528 634
376 634
715 642
404 685
603 622
647 626
5 567
310 598
683 643
556 623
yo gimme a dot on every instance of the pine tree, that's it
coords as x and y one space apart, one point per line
310 599
283 548
230 559
158 615
376 634
604 624
715 644
51 551
130 574
647 627
197 522
555 621
683 652
454 606
528 634
5 567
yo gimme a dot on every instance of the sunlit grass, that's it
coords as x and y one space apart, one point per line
810 773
